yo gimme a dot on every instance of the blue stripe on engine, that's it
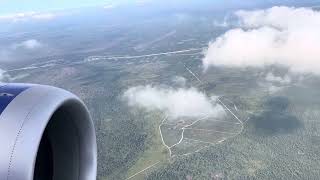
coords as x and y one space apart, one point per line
8 92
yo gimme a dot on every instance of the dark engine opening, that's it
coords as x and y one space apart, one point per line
44 162
58 153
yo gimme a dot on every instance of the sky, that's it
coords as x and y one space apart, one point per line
8 7
15 6
18 6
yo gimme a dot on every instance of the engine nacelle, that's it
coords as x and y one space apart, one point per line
46 133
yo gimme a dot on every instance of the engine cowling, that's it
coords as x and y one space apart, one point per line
46 133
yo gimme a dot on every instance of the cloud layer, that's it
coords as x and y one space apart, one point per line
1 75
279 35
275 83
175 102
28 15
179 80
28 44
27 49
270 77
4 77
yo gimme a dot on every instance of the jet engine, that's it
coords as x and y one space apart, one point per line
46 133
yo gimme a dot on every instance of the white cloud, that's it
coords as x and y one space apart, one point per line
279 35
110 6
28 15
27 49
275 83
223 24
270 77
44 16
279 17
1 75
143 2
28 44
175 102
179 80
17 77
274 89
4 76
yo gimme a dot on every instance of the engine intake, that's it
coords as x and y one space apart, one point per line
46 133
